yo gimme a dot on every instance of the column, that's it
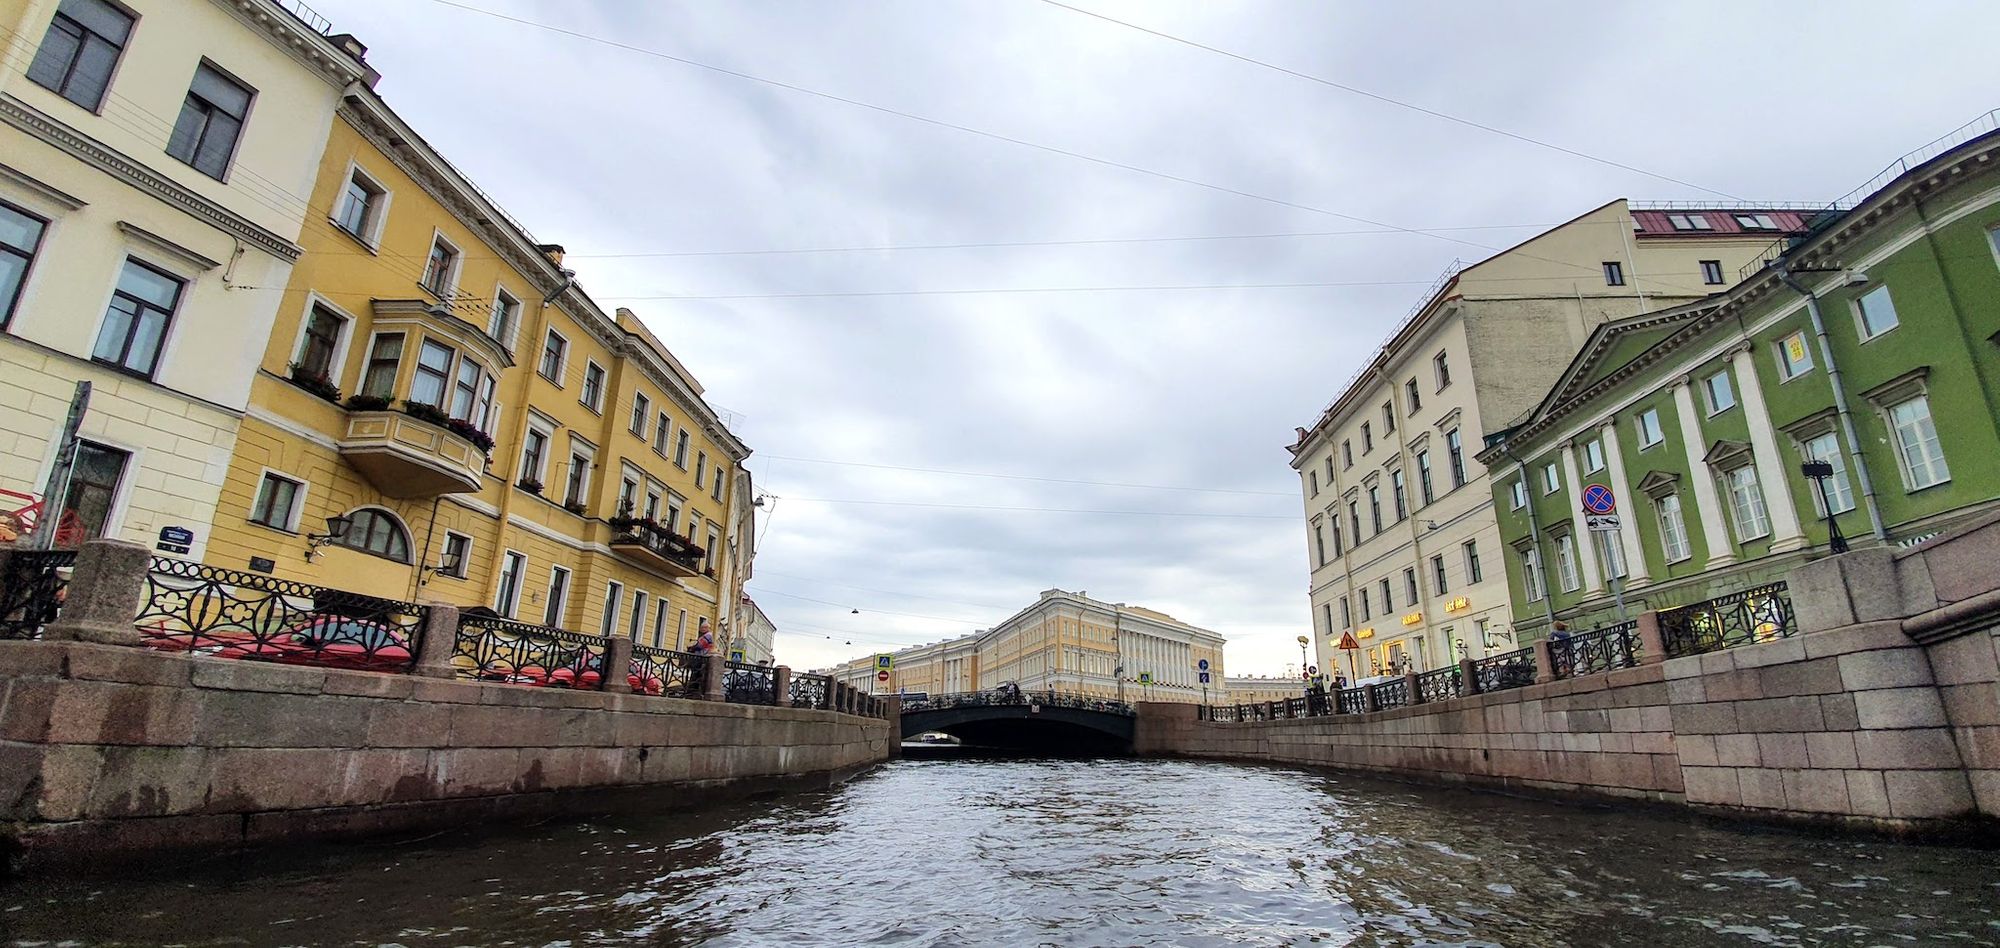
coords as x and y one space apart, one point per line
1621 489
1721 549
1785 532
1586 544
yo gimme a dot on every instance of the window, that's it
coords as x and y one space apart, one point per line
1917 449
1721 397
1673 529
1400 494
1375 506
1319 544
384 358
1551 480
361 204
660 624
1794 356
1648 427
1517 493
94 479
1424 476
1365 609
1746 504
136 324
681 450
1411 395
1531 573
277 502
613 592
1329 469
552 614
1312 478
1566 573
80 50
1346 616
1346 454
1410 591
1473 573
1756 222
1875 313
322 337
1439 584
555 351
1388 596
1593 456
1689 222
673 520
1456 448
1354 518
628 496
1326 613
593 387
433 370
210 121
1614 273
642 407
700 468
1441 367
375 531
680 628
1337 546
441 268
663 428
471 393
715 488
1711 272
1367 438
1388 417
20 236
577 490
534 451
505 316
457 555
1826 448
638 613
713 560
652 505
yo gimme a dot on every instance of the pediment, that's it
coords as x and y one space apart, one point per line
1725 453
1659 483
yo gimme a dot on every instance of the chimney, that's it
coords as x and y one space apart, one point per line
358 51
552 251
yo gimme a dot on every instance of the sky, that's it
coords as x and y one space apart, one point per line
1124 440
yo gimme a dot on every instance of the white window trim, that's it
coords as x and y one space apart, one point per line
583 385
375 225
298 503
1680 517
561 606
1784 366
646 418
562 365
170 339
1639 429
464 563
1729 502
1886 412
520 316
338 363
1708 392
513 609
609 622
547 429
1861 323
457 266
1592 466
1551 477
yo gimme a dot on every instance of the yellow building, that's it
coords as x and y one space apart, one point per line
441 414
1065 642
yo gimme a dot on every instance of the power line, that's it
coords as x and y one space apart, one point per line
967 291
1068 510
1379 97
1026 477
881 248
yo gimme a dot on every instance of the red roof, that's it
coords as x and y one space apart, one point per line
1720 221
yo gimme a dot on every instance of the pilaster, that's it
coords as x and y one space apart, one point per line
1707 504
1785 532
1621 490
1586 543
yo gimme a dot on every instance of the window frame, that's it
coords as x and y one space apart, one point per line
1475 572
642 413
115 497
591 395
374 361
614 596
1440 583
1614 273
546 431
208 123
1441 369
1902 448
69 70
1844 491
1569 578
1806 365
1708 395
167 321
1860 309
510 328
1413 396
374 213
464 554
296 505
1593 455
562 358
442 285
11 303
1711 272
1551 478
1675 529
398 528
1517 492
553 611
1640 424
336 360
1751 498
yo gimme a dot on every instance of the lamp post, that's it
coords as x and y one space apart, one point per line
1304 676
1819 471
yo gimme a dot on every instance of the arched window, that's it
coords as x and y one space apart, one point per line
375 531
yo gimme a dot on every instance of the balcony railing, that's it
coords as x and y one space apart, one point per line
404 456
656 547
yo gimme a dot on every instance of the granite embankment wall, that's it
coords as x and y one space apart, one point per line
1883 712
109 750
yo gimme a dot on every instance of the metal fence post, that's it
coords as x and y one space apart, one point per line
781 681
715 668
1545 662
1468 676
1368 699
617 665
1652 640
106 591
1416 694
439 642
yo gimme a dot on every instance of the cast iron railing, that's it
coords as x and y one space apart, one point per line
1351 700
1514 669
749 684
1762 614
1599 650
190 607
811 691
666 673
32 591
1440 684
1008 696
489 649
1393 693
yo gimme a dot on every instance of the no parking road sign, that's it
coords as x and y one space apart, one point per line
1597 499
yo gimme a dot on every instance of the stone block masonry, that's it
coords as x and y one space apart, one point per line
109 751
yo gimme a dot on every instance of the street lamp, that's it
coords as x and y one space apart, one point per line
1303 674
1819 471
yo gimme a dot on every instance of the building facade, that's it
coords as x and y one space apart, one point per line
1872 345
756 633
1401 535
156 158
1255 689
440 413
1065 642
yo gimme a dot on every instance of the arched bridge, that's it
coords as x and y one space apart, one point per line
1024 720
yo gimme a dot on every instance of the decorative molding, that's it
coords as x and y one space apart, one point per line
1812 425
417 313
1725 455
161 245
104 158
1658 484
1907 385
286 32
35 186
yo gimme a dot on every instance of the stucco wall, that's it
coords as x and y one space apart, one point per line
107 750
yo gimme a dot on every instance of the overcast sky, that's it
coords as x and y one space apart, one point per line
619 153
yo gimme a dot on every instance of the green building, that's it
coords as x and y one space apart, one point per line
1871 344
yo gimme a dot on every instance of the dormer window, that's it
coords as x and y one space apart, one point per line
1756 222
1689 222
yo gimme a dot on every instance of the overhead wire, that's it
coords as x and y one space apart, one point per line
1024 477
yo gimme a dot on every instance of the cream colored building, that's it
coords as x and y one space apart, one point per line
756 634
1401 534
1253 689
155 162
1065 642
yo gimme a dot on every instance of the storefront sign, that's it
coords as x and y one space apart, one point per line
1460 604
1367 633
1413 618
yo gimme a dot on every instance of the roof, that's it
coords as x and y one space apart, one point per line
1712 222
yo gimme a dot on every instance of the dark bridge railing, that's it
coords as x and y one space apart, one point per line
1006 698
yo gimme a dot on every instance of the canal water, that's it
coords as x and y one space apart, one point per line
1066 853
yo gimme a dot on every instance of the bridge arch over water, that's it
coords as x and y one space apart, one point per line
1026 721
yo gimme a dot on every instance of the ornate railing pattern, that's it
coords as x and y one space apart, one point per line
1514 669
1743 618
1009 696
749 684
1393 693
811 691
490 649
665 672
1441 684
192 607
1599 650
1351 700
32 591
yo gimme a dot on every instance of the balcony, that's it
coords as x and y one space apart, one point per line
408 457
661 550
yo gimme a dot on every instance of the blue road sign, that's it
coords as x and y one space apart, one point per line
1597 499
1204 678
1203 664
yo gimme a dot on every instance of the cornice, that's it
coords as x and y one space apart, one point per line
106 159
286 32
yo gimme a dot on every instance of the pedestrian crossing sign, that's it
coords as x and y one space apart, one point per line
1145 678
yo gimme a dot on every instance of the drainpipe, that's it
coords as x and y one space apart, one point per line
1840 405
1534 538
